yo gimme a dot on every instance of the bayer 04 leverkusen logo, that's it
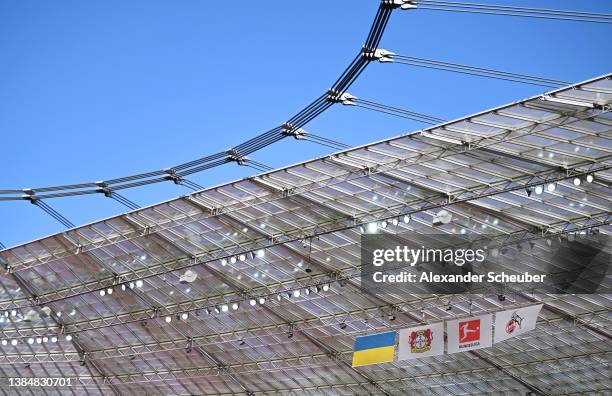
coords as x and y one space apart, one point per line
514 322
420 341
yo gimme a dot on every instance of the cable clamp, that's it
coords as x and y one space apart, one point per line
377 54
404 4
104 190
171 175
233 155
382 55
28 194
345 98
289 130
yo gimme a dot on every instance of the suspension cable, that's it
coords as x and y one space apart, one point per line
190 184
477 71
258 166
123 200
394 111
314 109
53 213
324 141
526 12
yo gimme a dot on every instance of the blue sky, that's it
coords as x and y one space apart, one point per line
97 90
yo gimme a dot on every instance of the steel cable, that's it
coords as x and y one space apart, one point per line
123 200
477 71
300 119
191 185
526 12
324 141
53 213
396 111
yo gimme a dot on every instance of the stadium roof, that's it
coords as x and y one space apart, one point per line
273 236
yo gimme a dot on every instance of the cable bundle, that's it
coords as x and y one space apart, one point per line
396 111
526 12
324 141
478 71
265 139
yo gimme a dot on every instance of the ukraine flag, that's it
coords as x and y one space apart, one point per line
375 348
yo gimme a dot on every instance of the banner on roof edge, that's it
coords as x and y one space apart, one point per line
514 322
421 341
470 333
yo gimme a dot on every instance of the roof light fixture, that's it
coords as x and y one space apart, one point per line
372 228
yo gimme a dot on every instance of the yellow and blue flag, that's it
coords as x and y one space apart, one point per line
375 348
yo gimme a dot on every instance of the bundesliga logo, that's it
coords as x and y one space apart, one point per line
469 333
420 341
514 321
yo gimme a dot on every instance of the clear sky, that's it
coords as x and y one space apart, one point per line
97 90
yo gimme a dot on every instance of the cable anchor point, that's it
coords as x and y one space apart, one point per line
233 155
171 175
336 97
290 130
403 4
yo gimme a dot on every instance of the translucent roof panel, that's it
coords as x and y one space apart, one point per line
274 301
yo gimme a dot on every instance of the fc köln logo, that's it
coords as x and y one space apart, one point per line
420 341
515 322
